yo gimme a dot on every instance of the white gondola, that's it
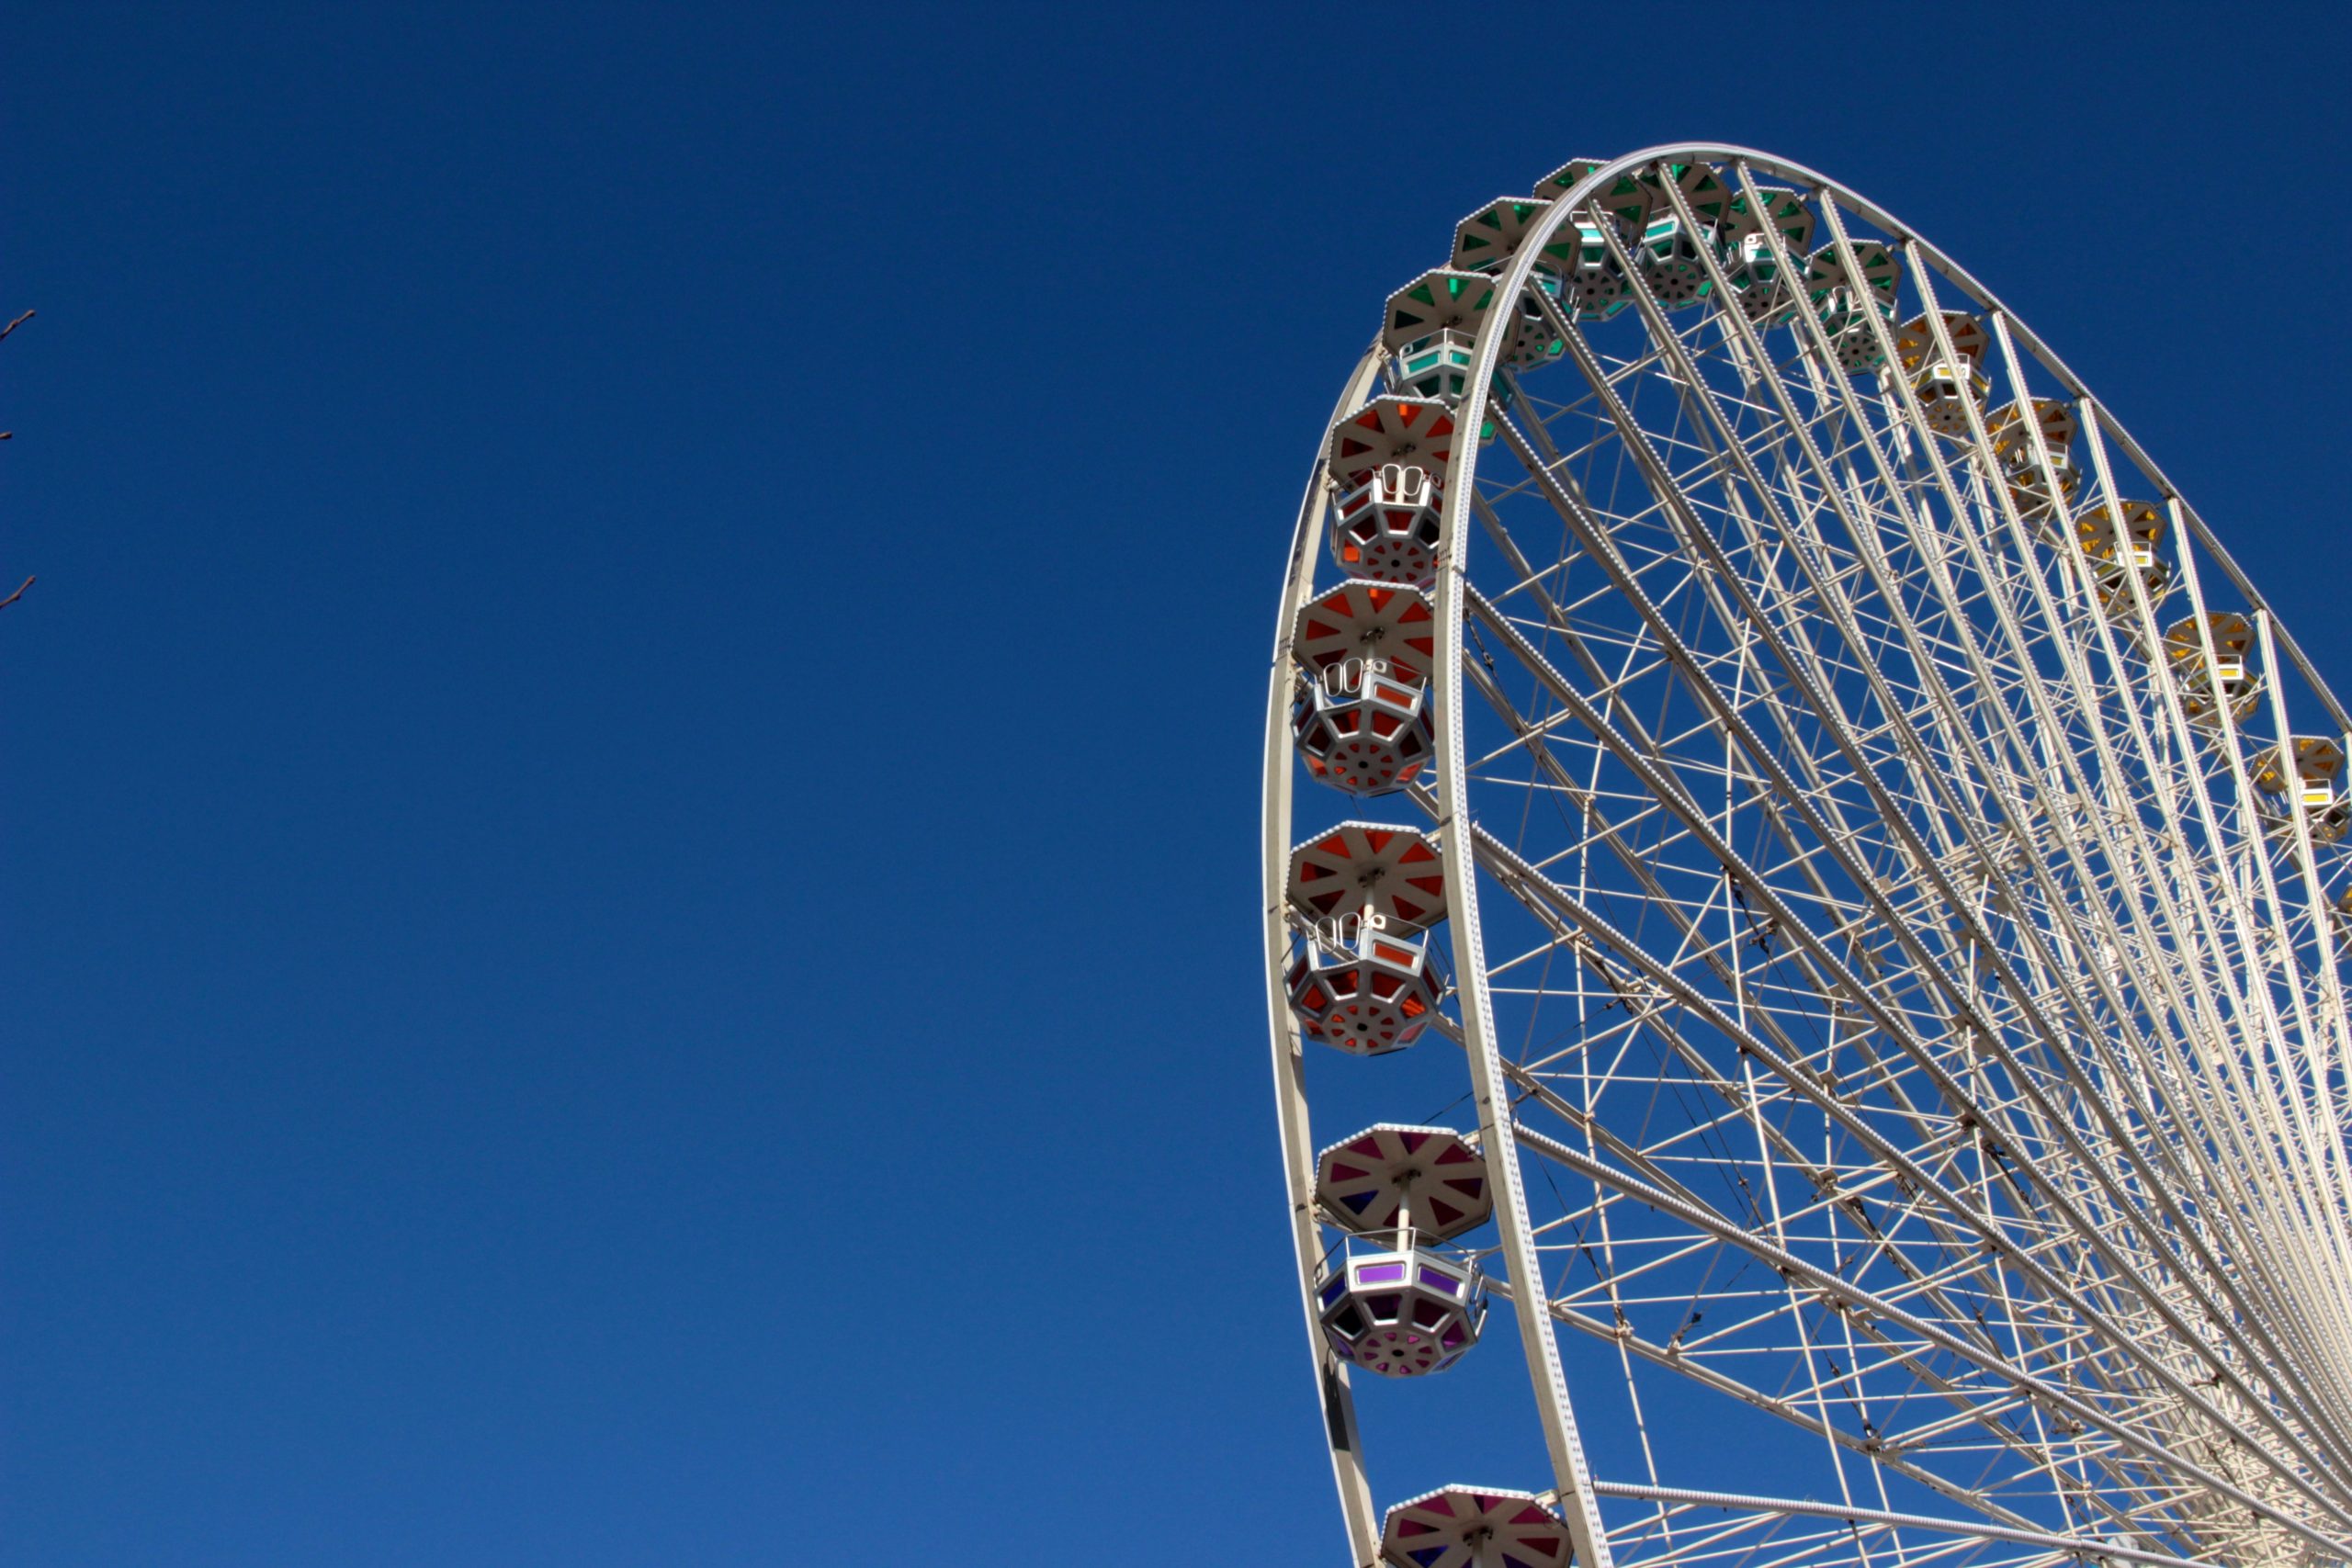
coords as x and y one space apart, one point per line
2302 772
1390 1175
1363 976
1399 1309
1473 1526
2205 685
1362 728
1947 387
2119 543
2029 483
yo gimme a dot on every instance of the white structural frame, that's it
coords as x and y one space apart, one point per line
2163 1370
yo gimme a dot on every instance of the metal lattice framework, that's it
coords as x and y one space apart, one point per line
1878 859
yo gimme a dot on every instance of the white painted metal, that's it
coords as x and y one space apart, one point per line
1909 1060
1289 1051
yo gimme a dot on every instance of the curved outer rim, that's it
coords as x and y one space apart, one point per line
1575 1494
1289 1047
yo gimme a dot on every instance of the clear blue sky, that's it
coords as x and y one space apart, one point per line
629 805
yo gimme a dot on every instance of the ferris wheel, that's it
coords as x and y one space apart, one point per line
1807 896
